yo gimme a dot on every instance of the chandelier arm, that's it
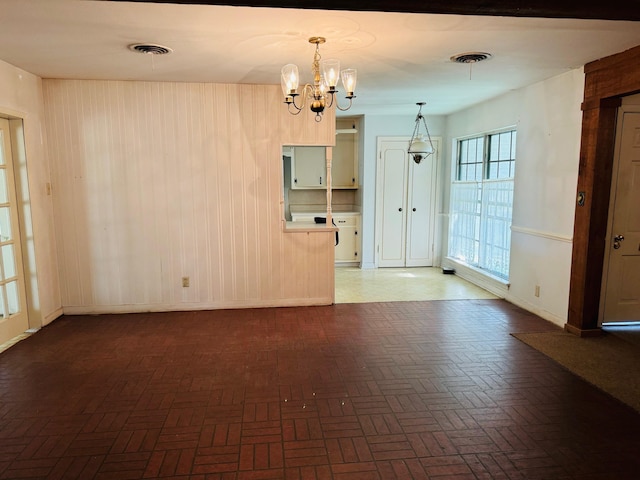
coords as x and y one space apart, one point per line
345 108
294 112
331 94
306 91
293 102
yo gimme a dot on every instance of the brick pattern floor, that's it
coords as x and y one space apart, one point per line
406 390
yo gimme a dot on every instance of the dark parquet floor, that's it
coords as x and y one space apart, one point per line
406 390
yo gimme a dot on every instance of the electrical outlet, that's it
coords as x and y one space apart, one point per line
185 281
537 291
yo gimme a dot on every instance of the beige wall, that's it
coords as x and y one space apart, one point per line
158 181
21 100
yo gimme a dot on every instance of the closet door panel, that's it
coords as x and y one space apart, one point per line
420 213
394 171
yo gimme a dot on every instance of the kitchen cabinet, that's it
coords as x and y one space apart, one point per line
348 248
348 223
309 164
344 165
308 167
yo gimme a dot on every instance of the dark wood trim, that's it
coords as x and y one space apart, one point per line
616 61
614 76
583 333
609 10
606 82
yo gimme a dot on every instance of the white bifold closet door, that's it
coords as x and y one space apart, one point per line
406 204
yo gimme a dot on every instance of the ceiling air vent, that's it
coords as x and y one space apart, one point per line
471 57
150 48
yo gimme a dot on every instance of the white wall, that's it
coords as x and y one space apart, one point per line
159 181
21 99
375 126
548 119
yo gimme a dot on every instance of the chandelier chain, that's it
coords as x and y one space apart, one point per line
419 146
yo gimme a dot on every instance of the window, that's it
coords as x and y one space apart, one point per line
482 201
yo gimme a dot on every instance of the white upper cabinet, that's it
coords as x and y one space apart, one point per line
344 165
308 167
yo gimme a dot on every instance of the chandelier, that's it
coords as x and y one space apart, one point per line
320 94
420 146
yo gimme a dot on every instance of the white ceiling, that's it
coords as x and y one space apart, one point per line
401 58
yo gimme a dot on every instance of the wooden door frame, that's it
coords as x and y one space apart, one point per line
606 81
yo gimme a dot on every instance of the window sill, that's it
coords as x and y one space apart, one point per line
496 285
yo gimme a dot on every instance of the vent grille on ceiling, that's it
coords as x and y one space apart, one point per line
150 48
471 57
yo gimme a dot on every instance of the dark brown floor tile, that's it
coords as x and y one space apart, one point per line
407 390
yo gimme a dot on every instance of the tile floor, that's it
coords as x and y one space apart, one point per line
354 285
360 391
10 343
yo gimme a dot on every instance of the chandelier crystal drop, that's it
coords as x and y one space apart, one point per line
320 94
420 145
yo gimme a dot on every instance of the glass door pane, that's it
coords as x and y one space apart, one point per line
11 277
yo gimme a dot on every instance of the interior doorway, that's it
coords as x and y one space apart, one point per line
13 302
621 272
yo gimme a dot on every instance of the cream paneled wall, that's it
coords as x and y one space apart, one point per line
158 181
21 102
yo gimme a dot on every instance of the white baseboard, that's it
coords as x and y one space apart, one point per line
499 288
145 308
50 317
529 307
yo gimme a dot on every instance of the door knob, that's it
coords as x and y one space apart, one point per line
400 209
617 240
414 209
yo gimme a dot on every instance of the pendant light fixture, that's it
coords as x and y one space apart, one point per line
420 145
320 94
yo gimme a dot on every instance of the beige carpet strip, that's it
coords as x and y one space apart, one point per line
609 362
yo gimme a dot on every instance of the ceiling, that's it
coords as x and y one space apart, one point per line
402 58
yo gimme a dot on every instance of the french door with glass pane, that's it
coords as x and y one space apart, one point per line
13 311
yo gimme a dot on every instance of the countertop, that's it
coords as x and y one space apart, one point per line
316 211
308 226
